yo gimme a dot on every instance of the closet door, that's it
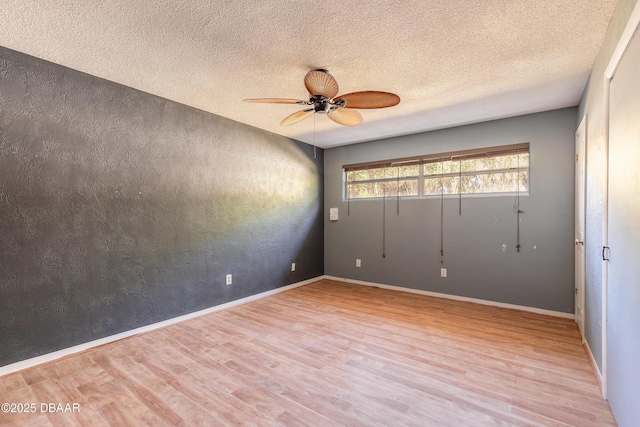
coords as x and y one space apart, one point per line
624 240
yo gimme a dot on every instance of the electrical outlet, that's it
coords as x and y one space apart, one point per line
443 272
228 280
358 262
293 266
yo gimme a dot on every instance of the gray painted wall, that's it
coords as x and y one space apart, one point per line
119 209
477 265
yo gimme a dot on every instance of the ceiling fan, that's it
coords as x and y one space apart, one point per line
323 89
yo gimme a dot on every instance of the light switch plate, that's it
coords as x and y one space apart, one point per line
333 214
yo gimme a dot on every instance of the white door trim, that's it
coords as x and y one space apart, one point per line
605 236
621 47
579 233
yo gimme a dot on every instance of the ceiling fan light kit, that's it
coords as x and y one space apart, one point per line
323 89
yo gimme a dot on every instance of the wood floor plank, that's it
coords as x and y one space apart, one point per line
328 354
11 382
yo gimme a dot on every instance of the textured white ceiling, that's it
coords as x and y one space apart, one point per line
451 62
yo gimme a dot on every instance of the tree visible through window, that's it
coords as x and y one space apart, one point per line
495 170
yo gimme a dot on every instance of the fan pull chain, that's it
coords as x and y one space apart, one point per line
314 136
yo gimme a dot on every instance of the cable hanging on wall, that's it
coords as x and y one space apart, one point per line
384 219
398 190
516 205
384 208
441 211
482 171
348 189
460 185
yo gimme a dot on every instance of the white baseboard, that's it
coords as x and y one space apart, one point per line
456 297
29 363
594 365
49 357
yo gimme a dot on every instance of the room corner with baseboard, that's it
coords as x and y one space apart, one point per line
121 209
480 244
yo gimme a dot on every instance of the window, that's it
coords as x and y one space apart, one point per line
493 170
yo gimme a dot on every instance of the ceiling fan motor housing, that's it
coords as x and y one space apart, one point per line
321 104
324 105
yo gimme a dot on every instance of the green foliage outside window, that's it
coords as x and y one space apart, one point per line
480 175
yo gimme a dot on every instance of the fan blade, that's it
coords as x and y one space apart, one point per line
321 83
345 117
277 101
369 99
296 117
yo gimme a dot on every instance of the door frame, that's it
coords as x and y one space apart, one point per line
616 57
580 222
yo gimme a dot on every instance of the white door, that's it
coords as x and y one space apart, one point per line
623 300
581 140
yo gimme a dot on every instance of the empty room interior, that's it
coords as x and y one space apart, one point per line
286 213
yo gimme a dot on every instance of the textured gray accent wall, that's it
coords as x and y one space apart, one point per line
119 209
541 275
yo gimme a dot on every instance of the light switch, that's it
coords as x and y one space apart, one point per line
333 214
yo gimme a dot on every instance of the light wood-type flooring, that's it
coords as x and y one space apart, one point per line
328 354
